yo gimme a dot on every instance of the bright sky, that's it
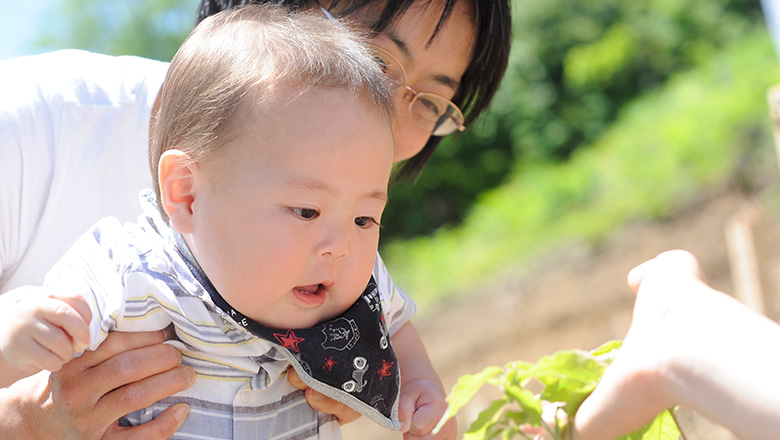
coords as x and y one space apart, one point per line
19 26
772 13
19 29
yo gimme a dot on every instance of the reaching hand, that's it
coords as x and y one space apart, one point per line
691 345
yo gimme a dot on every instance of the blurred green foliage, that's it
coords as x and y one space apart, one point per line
152 29
574 64
664 147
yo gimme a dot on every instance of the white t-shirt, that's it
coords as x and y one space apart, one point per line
74 130
74 140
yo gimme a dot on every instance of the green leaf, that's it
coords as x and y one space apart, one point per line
517 417
516 372
464 390
487 425
569 376
488 417
606 352
531 406
663 427
474 436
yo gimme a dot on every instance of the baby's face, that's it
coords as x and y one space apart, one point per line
285 215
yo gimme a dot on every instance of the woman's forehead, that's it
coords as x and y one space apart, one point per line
416 39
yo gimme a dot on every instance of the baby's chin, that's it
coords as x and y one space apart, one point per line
304 319
323 318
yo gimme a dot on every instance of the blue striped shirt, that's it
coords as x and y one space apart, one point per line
135 280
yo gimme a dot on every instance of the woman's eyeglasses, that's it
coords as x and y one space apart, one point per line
431 112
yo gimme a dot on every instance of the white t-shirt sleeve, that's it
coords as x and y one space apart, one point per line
398 308
74 131
26 129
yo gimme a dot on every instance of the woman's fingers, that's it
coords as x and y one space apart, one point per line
162 427
120 342
295 380
155 379
322 403
100 387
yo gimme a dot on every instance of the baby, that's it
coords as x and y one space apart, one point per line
272 151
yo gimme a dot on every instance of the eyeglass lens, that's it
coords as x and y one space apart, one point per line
431 112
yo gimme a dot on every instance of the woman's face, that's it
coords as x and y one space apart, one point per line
431 66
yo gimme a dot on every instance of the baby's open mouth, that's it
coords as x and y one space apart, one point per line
311 295
312 289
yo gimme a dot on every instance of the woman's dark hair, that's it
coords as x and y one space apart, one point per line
482 77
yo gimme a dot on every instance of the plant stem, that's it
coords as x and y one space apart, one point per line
546 427
676 422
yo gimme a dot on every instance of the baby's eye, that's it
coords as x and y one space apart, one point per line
306 213
365 222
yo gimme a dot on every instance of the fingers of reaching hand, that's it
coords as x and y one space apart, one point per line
679 262
670 264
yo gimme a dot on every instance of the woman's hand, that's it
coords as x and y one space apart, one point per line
322 403
88 395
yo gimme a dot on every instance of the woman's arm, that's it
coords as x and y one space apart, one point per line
691 345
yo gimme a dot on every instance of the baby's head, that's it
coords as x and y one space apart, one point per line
272 150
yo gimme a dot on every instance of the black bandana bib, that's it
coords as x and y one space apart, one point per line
348 358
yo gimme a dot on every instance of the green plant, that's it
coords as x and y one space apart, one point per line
566 379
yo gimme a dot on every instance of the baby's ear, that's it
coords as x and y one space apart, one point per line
177 173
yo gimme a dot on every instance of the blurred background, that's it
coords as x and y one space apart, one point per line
621 129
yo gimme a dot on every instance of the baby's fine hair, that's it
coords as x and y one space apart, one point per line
235 56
